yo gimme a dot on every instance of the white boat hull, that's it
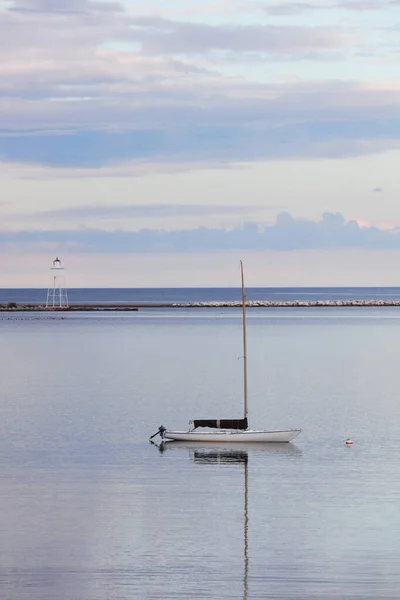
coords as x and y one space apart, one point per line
232 435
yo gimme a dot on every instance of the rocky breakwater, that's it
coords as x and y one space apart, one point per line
290 303
12 307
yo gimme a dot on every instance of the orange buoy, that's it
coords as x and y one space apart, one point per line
349 442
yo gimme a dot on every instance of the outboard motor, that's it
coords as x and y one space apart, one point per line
160 432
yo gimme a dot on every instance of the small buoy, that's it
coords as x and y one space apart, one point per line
349 442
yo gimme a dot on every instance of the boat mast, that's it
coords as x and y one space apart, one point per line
244 345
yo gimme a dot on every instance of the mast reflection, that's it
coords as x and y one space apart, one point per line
206 454
231 456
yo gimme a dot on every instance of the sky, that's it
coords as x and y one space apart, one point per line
154 143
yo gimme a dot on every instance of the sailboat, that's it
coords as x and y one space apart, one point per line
230 430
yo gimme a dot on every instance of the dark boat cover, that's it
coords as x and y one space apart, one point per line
221 423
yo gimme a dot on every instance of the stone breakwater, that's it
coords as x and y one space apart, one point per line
290 303
13 307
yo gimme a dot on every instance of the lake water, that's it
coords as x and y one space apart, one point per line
186 295
90 510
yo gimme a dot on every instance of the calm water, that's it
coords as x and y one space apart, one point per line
89 510
185 295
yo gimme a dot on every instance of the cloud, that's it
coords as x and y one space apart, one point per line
63 7
286 234
148 211
46 33
104 86
132 168
101 53
377 190
238 123
88 84
161 36
293 8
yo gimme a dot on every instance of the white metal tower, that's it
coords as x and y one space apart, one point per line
57 296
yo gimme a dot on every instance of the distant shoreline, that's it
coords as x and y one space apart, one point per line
17 307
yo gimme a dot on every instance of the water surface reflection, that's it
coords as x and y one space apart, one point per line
231 454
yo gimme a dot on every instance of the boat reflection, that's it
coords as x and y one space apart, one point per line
218 456
209 454
227 452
